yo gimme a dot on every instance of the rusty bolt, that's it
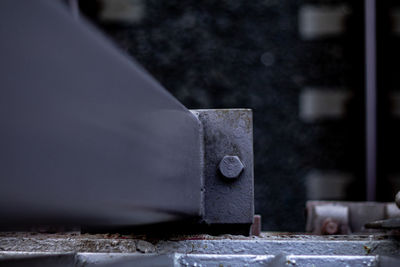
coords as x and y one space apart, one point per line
231 167
330 227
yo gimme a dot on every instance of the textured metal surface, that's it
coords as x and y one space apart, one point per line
86 134
266 244
227 132
269 250
294 244
177 259
275 261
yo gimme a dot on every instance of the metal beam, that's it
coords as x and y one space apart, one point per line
89 138
86 134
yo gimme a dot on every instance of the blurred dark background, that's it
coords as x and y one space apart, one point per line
298 64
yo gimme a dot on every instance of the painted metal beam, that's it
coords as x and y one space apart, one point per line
86 134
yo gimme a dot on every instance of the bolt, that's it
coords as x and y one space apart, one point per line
231 167
330 227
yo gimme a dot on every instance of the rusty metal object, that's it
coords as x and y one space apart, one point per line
330 227
255 229
327 219
351 217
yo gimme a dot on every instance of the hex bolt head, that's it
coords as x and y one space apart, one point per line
231 167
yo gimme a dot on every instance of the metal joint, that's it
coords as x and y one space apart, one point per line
228 154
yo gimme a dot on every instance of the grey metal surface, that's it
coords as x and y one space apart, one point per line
292 244
177 259
392 223
86 134
266 244
269 250
275 261
227 132
231 167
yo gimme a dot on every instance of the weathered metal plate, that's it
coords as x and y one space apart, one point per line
227 132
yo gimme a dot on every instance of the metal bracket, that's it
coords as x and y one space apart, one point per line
110 148
228 186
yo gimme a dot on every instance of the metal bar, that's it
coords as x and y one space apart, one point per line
89 138
87 135
370 79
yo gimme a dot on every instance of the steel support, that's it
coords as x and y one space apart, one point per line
86 134
89 138
228 165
